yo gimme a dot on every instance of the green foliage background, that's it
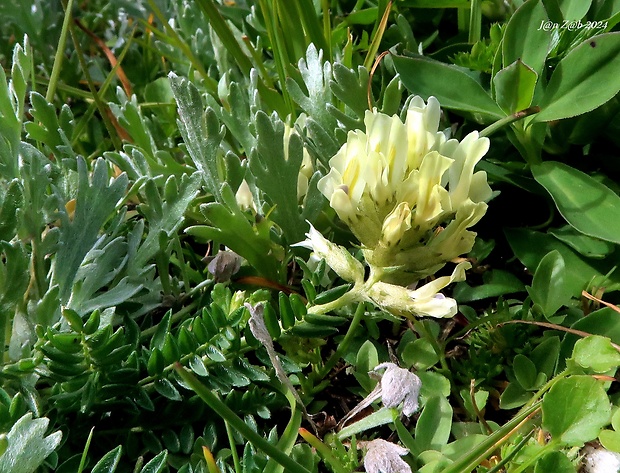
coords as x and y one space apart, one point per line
126 131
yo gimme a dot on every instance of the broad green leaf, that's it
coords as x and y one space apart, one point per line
109 462
435 3
549 289
425 77
585 78
610 439
601 322
585 245
575 410
587 205
595 353
420 354
200 130
433 428
495 282
524 39
531 247
574 9
514 86
557 462
28 446
525 371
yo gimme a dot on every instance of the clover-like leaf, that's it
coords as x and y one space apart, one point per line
28 446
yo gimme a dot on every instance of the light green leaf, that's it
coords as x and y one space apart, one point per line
596 353
27 445
574 9
433 428
586 78
575 410
524 39
514 86
425 77
610 439
587 205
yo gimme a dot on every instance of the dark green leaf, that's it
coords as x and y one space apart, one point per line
585 245
157 464
425 77
166 389
586 204
557 462
109 462
549 289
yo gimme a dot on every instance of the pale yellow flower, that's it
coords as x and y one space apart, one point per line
423 301
407 192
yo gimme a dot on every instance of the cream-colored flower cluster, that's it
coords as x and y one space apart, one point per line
407 192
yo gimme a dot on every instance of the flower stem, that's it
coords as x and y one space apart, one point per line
236 422
344 344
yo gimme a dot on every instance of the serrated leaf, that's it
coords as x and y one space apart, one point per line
165 213
10 202
276 170
27 445
46 129
95 202
316 75
249 240
200 130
